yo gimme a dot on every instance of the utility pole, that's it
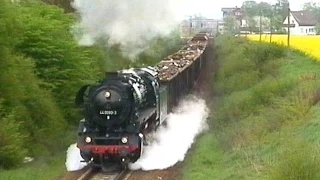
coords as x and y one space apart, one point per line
217 28
190 27
270 28
288 40
260 25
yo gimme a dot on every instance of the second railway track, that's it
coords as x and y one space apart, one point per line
92 175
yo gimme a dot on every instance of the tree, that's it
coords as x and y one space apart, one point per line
230 25
59 61
310 6
65 4
254 10
250 8
265 9
26 110
250 11
315 8
282 8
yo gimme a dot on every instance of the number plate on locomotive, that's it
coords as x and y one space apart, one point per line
108 112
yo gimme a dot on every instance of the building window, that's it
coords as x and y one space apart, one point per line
301 30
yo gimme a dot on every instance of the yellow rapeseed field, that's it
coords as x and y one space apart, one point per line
309 44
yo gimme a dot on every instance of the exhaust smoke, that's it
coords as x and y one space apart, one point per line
172 142
132 24
73 162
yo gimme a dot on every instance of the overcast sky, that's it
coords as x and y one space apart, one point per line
212 8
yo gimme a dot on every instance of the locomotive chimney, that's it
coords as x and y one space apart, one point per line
111 75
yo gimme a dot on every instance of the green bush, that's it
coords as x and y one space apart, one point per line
270 68
292 107
261 52
235 63
12 141
271 87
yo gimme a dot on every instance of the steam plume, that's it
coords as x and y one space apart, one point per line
128 23
172 142
73 162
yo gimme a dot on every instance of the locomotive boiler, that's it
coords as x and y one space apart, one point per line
119 111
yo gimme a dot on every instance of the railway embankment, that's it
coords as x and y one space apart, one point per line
265 121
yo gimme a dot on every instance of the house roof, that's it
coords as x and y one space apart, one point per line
229 9
305 18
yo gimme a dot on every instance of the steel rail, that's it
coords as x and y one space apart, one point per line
92 175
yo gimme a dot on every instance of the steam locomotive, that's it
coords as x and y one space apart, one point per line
123 108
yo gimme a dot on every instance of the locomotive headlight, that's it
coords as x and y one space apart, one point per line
87 139
140 135
124 140
107 94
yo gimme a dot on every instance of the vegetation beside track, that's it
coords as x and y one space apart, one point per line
265 121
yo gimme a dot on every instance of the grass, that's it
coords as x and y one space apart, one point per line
266 120
204 156
47 168
50 166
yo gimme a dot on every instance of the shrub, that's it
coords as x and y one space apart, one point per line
261 52
271 87
235 63
12 149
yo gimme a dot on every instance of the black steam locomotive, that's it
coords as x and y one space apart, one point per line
119 111
127 105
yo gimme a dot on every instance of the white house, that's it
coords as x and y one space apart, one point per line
301 23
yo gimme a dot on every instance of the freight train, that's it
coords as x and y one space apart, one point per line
126 105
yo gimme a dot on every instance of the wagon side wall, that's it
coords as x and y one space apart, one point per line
182 84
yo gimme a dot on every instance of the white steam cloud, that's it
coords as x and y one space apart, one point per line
129 23
172 142
73 162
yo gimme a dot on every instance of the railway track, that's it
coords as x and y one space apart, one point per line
92 175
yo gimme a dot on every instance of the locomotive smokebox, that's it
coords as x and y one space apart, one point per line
110 103
120 96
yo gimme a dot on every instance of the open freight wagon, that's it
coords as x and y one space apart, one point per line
179 72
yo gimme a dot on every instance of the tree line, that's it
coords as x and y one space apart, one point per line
42 68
